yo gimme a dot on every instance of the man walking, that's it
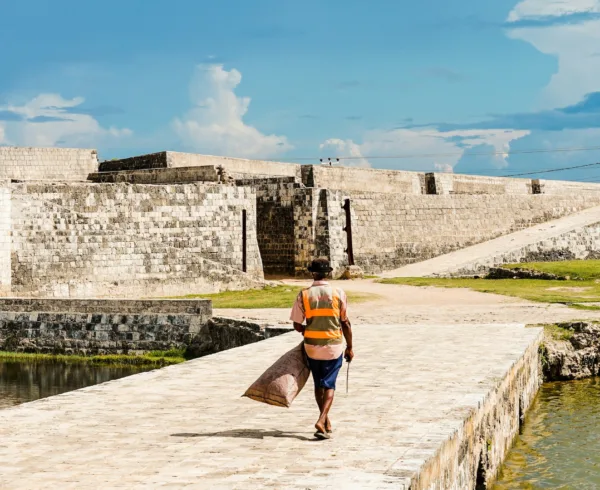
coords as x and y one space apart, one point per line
325 310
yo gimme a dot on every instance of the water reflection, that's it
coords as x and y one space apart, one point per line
560 444
22 382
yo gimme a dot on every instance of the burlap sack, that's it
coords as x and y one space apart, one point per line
280 384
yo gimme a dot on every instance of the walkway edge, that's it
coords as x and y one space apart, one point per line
472 457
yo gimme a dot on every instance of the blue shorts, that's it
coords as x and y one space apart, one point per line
325 373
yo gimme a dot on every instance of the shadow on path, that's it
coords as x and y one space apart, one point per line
247 434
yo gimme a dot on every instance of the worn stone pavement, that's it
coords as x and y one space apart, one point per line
186 426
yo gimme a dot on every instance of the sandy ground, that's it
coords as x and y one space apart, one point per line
414 305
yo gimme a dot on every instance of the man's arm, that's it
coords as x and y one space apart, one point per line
347 331
297 316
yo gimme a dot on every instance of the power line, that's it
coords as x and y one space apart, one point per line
552 170
430 155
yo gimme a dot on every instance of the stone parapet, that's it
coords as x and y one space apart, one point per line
65 164
159 176
99 326
172 159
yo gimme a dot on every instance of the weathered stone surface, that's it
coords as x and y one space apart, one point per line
47 163
275 221
575 358
575 236
501 273
99 326
219 334
352 272
447 183
5 240
159 176
90 240
173 159
354 179
393 230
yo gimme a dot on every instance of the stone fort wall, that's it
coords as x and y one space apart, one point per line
389 231
5 240
171 159
100 326
87 240
68 164
170 223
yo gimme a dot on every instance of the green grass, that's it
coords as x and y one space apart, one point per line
269 297
155 358
586 270
555 332
565 292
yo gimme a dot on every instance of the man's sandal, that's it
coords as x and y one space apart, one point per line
322 435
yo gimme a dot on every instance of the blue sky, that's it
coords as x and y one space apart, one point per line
447 85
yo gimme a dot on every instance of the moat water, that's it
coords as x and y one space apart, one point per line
559 446
22 382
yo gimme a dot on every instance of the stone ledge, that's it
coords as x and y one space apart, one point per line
189 307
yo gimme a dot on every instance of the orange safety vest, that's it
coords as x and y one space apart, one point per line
322 312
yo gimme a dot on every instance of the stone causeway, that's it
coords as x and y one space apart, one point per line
435 410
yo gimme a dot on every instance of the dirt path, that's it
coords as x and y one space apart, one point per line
415 305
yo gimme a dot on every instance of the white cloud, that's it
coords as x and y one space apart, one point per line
535 9
426 148
575 46
50 120
215 122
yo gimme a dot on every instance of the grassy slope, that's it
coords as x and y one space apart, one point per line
577 269
269 297
566 292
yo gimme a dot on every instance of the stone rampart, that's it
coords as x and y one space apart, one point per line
158 176
172 159
85 240
99 326
363 179
561 187
393 230
111 326
66 164
444 183
5 240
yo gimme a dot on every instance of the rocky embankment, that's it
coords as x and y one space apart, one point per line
571 351
220 334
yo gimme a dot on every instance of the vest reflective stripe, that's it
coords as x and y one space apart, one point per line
322 311
327 334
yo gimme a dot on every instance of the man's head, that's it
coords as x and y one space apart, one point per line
320 269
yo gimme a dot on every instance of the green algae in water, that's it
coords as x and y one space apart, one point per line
559 446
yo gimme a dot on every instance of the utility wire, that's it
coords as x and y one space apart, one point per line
552 170
430 155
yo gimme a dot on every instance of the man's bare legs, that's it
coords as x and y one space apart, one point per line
319 394
324 399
